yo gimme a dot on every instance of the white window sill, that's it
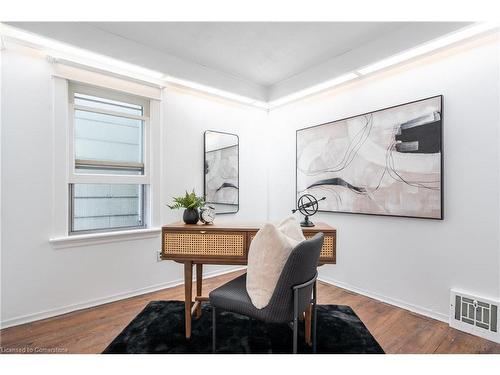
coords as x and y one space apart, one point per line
100 238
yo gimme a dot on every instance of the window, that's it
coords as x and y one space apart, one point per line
108 177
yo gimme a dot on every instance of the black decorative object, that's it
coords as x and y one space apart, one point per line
191 216
159 328
385 162
307 205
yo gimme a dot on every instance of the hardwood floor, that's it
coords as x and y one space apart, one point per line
91 330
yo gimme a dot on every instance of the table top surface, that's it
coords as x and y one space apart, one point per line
237 225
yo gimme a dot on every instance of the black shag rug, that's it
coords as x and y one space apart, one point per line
159 328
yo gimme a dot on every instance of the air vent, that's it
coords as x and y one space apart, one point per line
476 315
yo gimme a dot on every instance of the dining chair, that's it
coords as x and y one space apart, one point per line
295 291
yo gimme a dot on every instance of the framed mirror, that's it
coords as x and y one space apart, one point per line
221 171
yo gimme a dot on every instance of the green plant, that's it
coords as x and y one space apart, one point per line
190 200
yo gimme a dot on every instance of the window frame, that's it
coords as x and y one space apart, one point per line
143 191
142 180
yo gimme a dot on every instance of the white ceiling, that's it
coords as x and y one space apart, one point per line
262 60
264 53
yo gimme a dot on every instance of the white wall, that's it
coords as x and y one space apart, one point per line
38 280
409 262
414 262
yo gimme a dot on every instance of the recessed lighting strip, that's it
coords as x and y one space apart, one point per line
313 89
216 92
431 46
63 51
447 40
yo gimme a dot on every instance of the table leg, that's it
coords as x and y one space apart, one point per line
188 290
307 324
199 286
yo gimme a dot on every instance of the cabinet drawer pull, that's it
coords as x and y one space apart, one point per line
203 231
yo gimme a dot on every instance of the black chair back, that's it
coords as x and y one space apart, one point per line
300 267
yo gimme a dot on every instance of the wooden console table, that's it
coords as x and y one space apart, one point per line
224 244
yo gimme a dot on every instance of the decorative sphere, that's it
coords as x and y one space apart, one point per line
307 205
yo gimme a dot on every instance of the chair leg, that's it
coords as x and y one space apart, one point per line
314 323
295 319
214 328
314 320
295 334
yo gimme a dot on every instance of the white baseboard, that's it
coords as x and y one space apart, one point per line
391 301
101 301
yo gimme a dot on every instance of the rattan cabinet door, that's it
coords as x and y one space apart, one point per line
328 251
204 245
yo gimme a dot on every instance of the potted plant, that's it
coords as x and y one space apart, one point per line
191 203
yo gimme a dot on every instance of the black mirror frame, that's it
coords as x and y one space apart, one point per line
204 163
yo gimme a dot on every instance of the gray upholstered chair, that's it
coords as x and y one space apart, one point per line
291 297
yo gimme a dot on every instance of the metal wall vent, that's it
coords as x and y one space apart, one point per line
475 315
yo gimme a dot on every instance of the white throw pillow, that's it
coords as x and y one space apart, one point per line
268 253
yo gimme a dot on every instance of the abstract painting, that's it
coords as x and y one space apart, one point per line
386 162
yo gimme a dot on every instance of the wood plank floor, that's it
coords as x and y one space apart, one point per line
91 330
